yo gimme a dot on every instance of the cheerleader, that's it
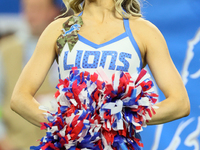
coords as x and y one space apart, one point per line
108 34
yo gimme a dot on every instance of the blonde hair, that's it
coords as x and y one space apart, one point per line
126 8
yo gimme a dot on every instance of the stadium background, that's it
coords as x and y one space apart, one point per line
179 22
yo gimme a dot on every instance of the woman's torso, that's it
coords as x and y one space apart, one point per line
97 46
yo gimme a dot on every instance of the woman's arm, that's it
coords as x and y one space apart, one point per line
33 75
176 104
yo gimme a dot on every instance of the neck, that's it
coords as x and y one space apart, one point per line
99 10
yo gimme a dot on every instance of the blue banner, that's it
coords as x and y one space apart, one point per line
179 22
9 6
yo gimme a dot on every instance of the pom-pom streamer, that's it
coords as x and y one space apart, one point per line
99 115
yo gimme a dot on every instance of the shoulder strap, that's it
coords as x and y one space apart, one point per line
70 33
131 37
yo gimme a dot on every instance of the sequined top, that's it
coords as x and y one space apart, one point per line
119 54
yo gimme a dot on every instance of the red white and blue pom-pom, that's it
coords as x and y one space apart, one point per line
93 114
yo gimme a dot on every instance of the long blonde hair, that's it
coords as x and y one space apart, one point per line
126 8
